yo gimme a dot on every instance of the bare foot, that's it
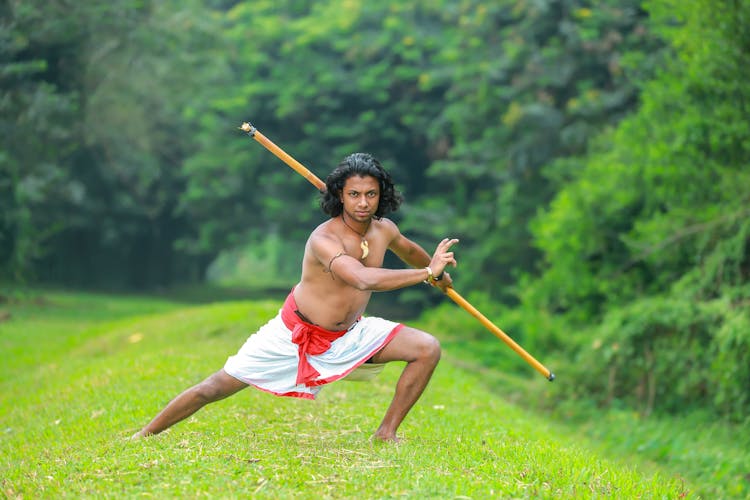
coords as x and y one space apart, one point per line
385 438
138 435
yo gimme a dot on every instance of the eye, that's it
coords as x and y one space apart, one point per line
372 194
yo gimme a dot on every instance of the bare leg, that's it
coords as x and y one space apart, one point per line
421 351
217 386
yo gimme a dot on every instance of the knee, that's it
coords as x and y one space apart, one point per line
430 349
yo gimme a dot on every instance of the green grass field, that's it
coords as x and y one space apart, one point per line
82 372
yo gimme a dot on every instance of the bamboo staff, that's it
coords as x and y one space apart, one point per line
450 292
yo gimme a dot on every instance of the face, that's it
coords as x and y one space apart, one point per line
360 197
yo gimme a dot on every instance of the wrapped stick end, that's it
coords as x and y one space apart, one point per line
246 127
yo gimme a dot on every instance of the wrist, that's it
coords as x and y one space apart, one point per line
430 277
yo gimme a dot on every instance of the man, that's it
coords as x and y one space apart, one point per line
320 335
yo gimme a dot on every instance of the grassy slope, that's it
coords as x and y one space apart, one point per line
84 372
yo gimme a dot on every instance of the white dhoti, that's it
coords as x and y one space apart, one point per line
270 358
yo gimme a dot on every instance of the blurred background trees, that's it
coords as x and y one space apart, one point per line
592 156
94 134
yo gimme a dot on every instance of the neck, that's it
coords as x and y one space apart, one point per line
361 233
356 226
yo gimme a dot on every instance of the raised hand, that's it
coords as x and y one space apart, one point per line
443 256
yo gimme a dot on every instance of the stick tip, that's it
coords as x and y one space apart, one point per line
551 377
247 127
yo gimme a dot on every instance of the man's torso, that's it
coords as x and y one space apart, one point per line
324 298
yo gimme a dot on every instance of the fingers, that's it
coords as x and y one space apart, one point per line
442 256
447 243
449 259
445 282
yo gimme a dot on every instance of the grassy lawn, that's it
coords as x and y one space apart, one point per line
81 373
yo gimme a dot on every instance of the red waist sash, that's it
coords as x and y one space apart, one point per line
310 339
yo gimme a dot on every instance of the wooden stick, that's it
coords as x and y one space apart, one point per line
454 295
304 172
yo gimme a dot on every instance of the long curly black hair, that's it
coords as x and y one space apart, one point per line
360 164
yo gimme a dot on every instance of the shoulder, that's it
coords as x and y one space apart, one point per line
325 233
388 226
389 230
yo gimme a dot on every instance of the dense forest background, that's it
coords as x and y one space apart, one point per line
592 156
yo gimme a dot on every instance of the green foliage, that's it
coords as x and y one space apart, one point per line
463 102
35 133
264 265
655 352
647 247
546 78
93 97
730 371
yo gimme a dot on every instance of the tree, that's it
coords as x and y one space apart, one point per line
95 114
647 250
37 127
534 82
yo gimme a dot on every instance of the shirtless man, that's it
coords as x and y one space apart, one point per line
320 334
